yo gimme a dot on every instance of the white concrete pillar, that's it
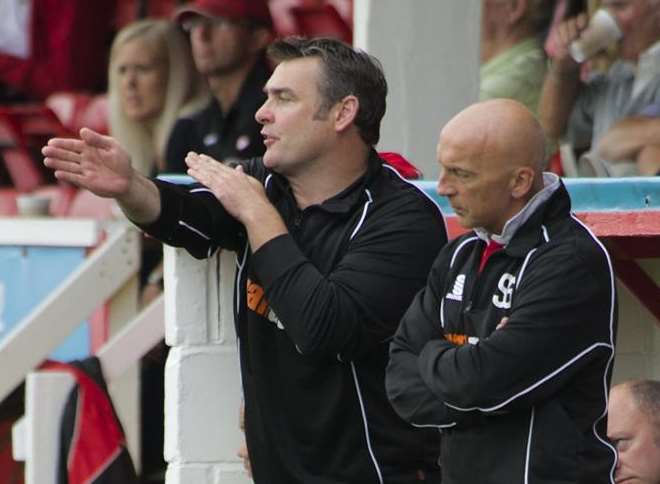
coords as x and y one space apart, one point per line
202 375
430 53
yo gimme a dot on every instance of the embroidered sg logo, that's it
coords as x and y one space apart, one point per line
505 286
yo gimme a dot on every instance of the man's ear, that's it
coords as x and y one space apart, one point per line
522 182
345 112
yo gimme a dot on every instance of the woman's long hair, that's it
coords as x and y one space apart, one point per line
185 92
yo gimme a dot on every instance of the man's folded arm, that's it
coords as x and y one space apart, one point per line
547 339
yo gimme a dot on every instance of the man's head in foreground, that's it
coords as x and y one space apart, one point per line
491 158
633 426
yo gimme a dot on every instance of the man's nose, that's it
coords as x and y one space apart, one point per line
200 32
443 187
263 114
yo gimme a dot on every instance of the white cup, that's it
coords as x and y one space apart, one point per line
599 34
32 205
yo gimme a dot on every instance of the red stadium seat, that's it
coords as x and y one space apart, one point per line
87 205
22 168
76 110
7 202
24 129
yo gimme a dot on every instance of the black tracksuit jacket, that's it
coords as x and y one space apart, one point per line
525 403
316 311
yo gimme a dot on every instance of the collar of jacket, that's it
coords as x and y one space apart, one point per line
346 200
550 203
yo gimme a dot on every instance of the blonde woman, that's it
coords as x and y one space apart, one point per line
152 81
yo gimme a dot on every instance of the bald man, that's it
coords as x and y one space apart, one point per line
634 428
509 348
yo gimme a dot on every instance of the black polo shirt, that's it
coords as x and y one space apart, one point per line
235 135
315 311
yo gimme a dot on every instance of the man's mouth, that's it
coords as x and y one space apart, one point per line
268 139
620 480
457 210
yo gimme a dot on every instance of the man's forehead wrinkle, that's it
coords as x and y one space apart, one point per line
469 141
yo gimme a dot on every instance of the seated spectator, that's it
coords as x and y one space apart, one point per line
152 81
228 40
582 112
512 56
633 427
635 138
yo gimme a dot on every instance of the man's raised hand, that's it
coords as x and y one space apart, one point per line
94 162
242 195
238 192
99 164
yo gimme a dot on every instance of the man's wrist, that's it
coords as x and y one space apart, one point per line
263 225
257 213
141 201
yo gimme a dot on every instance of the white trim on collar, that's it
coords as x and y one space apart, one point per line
550 185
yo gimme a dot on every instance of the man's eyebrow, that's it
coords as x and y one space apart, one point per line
276 91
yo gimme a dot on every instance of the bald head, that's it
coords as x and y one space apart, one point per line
644 396
503 132
491 156
633 426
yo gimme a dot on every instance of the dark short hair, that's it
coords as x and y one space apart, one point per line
646 394
346 71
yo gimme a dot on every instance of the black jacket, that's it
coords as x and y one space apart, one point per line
316 311
232 135
525 403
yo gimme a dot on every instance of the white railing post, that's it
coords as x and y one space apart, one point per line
108 274
36 436
202 379
42 424
98 278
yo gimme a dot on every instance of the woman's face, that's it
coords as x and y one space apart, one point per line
142 80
